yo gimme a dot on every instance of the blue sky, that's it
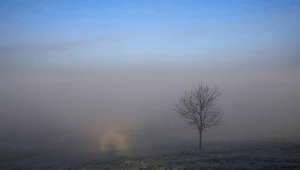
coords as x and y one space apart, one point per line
136 32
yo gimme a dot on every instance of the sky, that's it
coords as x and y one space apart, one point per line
88 75
53 33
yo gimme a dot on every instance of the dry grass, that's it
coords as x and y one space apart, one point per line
260 156
279 157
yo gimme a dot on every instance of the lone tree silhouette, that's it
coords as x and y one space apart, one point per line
198 108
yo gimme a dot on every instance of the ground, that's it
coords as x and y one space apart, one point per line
245 156
261 156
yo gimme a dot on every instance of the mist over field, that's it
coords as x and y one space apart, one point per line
89 109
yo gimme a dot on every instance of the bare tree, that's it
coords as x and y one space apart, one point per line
199 108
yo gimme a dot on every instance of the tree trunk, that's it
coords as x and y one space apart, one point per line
200 139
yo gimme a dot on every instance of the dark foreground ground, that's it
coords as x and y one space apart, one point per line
259 155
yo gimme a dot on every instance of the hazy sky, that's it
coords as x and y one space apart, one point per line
148 32
87 74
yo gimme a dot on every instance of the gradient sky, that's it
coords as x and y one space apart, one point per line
52 32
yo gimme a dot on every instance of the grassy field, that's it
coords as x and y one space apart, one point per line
244 156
